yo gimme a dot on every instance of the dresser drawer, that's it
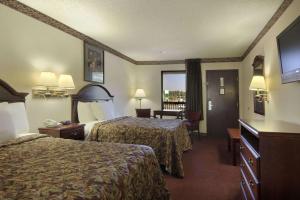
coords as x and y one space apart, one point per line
246 194
251 157
75 134
252 181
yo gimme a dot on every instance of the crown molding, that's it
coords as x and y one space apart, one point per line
203 60
285 4
161 62
20 7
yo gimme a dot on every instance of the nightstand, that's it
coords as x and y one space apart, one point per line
145 113
72 131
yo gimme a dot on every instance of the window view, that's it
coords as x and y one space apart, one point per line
173 90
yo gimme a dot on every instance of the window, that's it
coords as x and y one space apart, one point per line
173 90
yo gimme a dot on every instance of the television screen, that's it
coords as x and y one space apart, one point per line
289 51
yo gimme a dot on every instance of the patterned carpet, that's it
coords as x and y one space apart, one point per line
209 174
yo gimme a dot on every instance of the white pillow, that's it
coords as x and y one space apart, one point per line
85 113
7 129
3 105
103 110
18 114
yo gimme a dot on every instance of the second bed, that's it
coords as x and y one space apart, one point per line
168 137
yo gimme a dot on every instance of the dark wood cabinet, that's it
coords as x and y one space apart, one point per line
270 160
71 131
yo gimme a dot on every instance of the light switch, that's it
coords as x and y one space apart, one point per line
222 91
221 81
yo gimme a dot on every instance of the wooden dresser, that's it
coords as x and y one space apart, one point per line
270 160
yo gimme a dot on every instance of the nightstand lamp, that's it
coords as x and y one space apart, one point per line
140 94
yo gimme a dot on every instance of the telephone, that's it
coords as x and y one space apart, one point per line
49 123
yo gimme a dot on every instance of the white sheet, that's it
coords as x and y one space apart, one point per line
24 134
88 128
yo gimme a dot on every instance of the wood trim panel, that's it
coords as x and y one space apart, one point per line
203 60
18 6
214 60
9 94
162 62
285 4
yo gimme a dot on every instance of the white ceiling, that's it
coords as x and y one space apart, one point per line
165 29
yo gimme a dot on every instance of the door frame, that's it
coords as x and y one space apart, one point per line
238 92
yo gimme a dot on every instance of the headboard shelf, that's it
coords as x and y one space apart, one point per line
89 93
8 94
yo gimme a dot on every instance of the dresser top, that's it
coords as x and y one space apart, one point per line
271 126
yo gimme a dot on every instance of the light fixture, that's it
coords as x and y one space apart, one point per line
140 94
49 86
258 84
48 79
66 82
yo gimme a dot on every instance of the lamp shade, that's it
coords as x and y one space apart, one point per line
140 93
66 82
258 83
48 79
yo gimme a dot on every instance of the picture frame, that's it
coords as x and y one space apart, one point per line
93 63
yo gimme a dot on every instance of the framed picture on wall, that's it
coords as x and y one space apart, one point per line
93 63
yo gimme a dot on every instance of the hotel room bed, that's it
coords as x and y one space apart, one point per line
168 137
41 167
36 166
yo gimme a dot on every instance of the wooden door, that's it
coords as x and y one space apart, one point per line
222 101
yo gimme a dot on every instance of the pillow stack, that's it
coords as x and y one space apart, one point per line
92 111
13 120
103 110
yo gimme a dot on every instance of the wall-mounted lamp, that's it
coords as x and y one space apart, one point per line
66 82
140 94
49 86
258 84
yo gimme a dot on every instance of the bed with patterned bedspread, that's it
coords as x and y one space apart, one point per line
41 167
168 138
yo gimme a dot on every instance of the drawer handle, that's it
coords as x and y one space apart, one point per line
250 161
75 133
251 183
241 147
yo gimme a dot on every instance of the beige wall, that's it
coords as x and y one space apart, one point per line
28 47
149 78
283 98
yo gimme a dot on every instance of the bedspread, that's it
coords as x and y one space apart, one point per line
168 138
41 167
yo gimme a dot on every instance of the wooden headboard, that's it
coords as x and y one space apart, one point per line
8 94
89 93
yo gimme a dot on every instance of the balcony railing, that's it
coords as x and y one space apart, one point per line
168 105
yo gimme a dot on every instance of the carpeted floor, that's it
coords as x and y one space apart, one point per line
209 174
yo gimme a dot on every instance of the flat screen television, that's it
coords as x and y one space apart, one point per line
289 51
